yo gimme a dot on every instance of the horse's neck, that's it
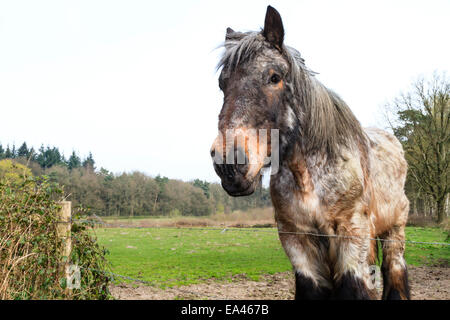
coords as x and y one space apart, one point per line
300 161
329 126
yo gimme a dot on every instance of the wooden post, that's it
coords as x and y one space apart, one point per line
64 232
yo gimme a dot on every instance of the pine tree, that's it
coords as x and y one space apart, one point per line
40 158
49 157
89 162
74 161
14 151
23 151
108 176
53 157
8 153
204 185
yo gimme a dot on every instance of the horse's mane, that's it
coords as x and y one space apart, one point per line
325 121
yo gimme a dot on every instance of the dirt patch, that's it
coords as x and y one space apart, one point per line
430 283
427 283
276 287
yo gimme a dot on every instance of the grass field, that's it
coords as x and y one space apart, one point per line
170 257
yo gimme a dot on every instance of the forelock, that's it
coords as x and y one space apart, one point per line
243 46
240 47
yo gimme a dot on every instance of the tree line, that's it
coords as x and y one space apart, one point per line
128 194
45 157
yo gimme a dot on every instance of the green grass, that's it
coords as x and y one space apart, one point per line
186 256
418 254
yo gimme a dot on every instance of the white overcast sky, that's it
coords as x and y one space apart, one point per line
134 82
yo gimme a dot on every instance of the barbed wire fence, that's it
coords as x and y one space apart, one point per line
225 229
114 276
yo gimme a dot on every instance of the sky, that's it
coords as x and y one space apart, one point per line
135 82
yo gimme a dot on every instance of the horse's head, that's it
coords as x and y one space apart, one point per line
254 81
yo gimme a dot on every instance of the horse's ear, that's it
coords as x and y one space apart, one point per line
229 32
273 28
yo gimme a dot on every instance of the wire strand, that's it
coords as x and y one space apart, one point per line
267 231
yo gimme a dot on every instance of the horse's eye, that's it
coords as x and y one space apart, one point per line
275 78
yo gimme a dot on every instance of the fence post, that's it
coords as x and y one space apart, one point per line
64 232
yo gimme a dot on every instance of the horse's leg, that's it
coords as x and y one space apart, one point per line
393 268
310 267
354 251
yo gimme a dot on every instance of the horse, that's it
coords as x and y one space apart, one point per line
338 190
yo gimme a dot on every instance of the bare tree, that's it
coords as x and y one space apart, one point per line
421 121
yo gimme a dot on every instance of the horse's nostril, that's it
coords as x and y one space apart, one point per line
229 171
234 166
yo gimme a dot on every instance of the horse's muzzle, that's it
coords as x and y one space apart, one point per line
233 175
234 183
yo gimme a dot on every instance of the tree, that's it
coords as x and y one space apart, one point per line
202 185
48 157
8 153
89 162
422 124
74 161
23 151
161 195
108 176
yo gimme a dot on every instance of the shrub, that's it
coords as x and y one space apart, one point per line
31 263
13 172
174 213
